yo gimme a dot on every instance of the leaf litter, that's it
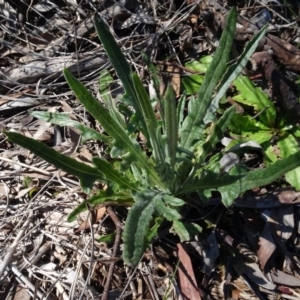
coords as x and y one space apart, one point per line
251 249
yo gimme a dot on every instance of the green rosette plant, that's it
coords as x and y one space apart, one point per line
158 177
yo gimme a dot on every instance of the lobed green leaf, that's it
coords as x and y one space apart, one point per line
172 201
186 231
255 97
167 212
259 177
289 145
138 224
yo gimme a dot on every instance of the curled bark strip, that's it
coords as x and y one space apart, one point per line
286 53
279 87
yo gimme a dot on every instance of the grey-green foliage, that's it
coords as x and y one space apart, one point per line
157 182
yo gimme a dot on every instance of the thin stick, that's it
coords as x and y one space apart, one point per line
119 226
9 255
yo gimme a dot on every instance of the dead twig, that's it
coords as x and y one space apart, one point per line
119 226
8 257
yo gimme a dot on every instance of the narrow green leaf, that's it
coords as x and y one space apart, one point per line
216 135
233 71
115 55
153 73
108 238
120 65
95 108
210 181
156 82
111 174
198 109
123 199
145 106
259 177
112 127
137 225
171 124
105 80
61 119
85 173
180 109
144 102
153 231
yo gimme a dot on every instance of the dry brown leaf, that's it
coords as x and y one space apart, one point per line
19 99
241 290
170 75
283 223
285 279
75 135
175 81
208 249
266 242
85 154
189 2
193 19
21 293
266 247
187 280
24 192
4 190
96 215
43 126
185 36
279 228
251 271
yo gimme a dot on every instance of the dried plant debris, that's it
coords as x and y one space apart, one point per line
250 251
